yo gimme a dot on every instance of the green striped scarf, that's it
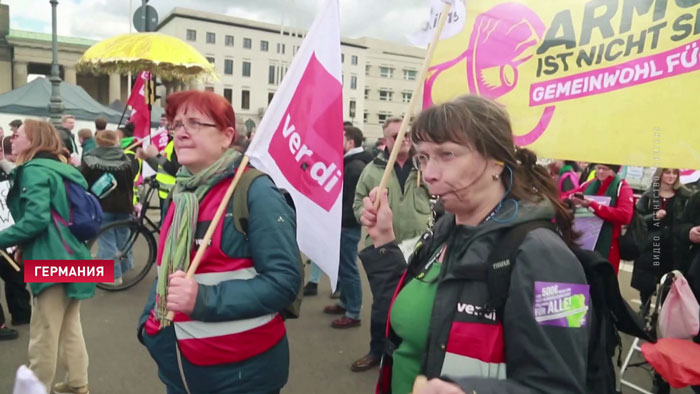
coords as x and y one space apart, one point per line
188 191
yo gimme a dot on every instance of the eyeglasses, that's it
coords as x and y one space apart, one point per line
602 168
420 160
192 125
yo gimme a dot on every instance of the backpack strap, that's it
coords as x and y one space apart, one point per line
501 260
240 221
240 199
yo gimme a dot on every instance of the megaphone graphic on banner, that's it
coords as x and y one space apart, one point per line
503 38
499 45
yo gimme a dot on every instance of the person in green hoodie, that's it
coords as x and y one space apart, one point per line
37 189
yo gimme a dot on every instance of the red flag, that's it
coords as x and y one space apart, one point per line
141 115
300 140
161 138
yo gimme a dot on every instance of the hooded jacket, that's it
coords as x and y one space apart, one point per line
353 166
411 207
38 188
492 354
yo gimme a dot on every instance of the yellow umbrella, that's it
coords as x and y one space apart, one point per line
167 57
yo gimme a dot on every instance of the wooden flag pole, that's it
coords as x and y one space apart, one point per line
212 226
9 260
419 384
411 106
134 144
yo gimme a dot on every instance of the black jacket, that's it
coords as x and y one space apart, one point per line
690 219
476 352
691 266
669 252
66 138
111 159
353 166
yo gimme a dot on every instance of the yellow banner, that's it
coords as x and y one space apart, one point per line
606 81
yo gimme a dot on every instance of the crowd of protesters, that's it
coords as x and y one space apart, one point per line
457 186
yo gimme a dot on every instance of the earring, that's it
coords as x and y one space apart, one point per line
495 177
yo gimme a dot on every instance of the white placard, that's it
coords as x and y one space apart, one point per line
5 215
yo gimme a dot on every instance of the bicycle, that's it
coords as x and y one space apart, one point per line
133 233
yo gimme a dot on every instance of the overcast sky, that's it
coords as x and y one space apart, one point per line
97 19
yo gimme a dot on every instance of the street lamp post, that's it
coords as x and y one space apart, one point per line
56 103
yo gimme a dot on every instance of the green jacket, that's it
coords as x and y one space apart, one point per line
37 188
411 208
87 146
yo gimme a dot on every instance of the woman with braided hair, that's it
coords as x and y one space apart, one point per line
440 323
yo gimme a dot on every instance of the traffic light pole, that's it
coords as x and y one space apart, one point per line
145 13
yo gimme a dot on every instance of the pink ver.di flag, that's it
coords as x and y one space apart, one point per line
300 140
141 115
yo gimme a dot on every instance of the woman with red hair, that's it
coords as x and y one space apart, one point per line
227 335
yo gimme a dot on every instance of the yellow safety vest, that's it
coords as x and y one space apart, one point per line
591 176
165 180
136 176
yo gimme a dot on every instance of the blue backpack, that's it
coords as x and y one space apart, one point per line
86 214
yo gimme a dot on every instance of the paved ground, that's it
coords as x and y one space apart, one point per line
320 362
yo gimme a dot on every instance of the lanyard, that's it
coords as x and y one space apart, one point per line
491 215
433 259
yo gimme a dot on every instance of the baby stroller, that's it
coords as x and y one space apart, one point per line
668 359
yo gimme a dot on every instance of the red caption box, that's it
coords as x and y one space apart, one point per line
68 271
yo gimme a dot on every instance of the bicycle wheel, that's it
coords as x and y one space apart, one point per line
131 245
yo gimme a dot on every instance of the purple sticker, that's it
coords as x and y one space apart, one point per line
561 304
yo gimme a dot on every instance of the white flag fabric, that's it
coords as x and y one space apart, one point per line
300 140
27 383
689 176
453 25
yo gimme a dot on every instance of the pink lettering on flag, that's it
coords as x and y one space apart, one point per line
160 139
307 144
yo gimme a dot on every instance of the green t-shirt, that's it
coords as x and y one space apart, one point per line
410 320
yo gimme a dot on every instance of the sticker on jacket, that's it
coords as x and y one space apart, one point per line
561 304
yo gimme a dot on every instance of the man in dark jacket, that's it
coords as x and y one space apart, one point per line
349 281
109 175
65 131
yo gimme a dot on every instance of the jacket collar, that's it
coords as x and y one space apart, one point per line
354 151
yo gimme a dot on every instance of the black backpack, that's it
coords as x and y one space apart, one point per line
610 314
240 221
